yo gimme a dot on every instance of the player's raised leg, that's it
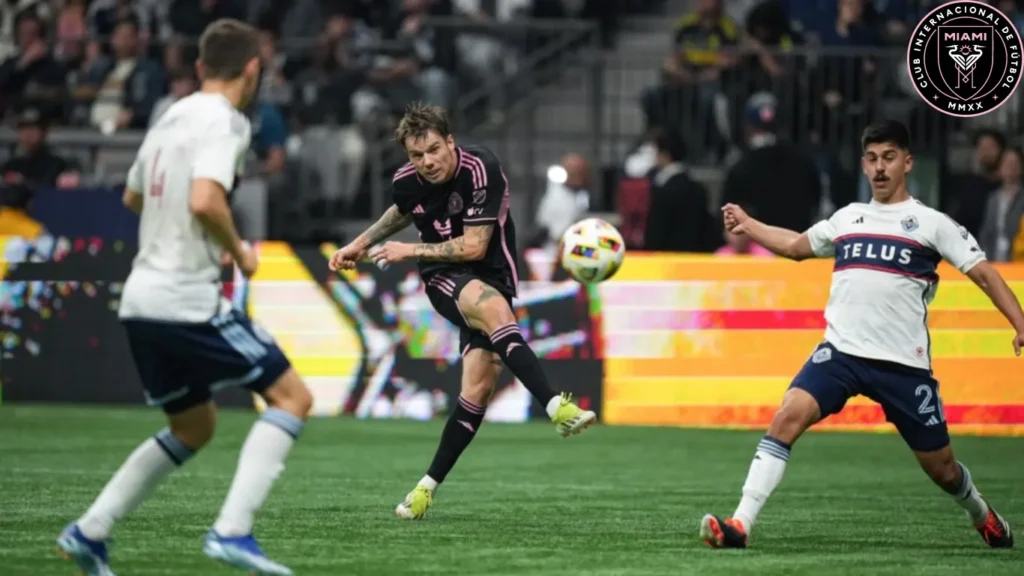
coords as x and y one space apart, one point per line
260 463
480 371
485 309
190 428
821 388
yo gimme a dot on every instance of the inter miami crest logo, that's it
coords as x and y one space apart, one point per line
965 58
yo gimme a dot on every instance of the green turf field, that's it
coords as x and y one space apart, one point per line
522 501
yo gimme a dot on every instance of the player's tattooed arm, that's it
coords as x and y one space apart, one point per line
391 222
471 246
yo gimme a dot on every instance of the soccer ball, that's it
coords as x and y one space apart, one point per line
592 250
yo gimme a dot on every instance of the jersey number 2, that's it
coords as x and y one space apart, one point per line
929 402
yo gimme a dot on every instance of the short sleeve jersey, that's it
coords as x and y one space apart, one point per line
176 273
477 195
884 276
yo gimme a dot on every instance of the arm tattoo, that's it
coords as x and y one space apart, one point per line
392 221
472 245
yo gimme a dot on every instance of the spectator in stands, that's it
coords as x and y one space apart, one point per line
274 86
175 57
84 81
183 83
72 31
1004 212
774 178
14 217
769 63
131 86
332 143
266 191
843 79
353 46
429 52
677 219
694 77
565 202
188 18
104 15
964 194
34 164
11 12
269 136
32 76
302 19
483 51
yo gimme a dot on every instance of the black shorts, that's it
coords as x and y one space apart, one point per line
443 289
182 365
908 396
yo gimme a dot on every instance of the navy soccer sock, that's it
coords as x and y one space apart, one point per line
459 431
520 359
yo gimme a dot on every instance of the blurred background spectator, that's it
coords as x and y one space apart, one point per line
776 179
565 202
1004 210
678 220
657 110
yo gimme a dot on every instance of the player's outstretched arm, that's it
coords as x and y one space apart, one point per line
392 222
469 247
994 286
780 241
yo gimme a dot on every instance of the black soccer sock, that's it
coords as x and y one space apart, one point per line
520 359
459 431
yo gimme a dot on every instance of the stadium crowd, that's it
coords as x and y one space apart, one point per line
752 88
336 72
770 87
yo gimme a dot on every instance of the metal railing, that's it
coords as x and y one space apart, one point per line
535 50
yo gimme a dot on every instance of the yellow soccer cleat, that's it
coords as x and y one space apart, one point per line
416 504
570 419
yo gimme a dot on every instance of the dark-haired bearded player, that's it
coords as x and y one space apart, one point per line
458 199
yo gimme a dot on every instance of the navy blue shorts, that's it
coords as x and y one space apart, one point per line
909 396
182 365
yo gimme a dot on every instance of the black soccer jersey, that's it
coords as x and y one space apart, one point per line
477 195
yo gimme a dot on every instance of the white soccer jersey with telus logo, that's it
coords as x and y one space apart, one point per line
176 274
885 276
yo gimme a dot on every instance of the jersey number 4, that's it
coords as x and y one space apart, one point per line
156 178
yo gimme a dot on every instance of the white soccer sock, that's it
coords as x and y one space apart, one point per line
428 483
552 406
259 465
146 467
970 499
764 476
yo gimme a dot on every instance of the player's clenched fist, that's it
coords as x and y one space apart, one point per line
346 258
734 217
390 252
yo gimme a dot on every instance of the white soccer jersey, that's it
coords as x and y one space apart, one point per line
176 274
884 276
